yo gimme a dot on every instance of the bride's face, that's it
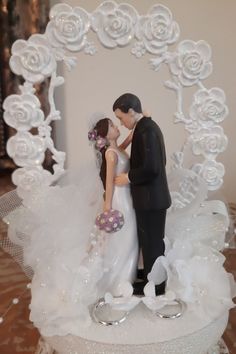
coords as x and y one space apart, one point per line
113 131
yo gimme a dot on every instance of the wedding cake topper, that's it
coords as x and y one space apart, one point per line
195 232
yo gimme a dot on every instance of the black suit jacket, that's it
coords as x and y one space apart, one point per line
147 175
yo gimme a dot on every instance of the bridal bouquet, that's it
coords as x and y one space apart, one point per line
110 221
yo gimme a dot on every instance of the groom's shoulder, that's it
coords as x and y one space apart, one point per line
147 123
148 126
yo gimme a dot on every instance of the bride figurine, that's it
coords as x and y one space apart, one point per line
121 248
74 262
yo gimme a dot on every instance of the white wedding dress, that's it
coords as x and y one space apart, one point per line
74 264
121 251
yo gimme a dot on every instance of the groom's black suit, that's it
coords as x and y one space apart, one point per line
149 189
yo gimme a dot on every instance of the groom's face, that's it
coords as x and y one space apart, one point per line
126 119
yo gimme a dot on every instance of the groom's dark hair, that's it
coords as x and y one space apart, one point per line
127 101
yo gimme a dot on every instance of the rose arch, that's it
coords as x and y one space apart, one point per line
120 25
116 25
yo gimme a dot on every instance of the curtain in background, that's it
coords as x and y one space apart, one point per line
18 20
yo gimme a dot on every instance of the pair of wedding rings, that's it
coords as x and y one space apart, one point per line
100 304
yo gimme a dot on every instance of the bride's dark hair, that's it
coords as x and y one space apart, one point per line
101 128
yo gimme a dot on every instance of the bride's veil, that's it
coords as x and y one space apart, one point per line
74 201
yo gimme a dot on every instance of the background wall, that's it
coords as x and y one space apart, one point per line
98 80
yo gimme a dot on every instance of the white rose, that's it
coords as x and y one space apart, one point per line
212 172
114 24
192 63
27 179
67 27
26 149
209 107
157 30
209 142
23 112
33 59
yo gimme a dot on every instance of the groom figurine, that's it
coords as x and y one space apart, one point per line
148 182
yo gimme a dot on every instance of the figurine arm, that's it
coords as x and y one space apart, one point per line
111 161
150 159
127 141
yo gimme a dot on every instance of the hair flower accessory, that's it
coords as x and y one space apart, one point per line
92 135
110 221
100 143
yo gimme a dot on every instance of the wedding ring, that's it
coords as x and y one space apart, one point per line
174 315
100 304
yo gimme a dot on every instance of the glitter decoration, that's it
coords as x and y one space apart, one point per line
202 341
15 301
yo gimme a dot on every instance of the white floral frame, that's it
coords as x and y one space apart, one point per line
116 25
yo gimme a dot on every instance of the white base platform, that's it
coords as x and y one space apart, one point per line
218 348
186 335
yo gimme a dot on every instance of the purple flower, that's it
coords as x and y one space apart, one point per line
100 143
92 135
110 221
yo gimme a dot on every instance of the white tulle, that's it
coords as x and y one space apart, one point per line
73 264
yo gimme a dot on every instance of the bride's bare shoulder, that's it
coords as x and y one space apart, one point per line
111 155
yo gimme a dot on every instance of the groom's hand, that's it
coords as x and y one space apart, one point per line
122 179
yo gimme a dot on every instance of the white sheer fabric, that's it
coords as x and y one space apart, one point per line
54 227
